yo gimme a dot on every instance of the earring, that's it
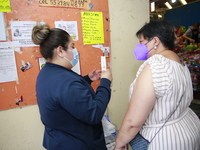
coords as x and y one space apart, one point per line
155 47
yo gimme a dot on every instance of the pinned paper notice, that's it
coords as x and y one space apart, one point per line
103 63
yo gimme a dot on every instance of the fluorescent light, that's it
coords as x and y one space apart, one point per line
168 5
159 16
152 6
183 2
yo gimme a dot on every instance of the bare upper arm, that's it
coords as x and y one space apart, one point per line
143 98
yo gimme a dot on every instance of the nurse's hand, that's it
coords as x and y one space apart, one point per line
94 75
107 74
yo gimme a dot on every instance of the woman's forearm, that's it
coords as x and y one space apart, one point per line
126 134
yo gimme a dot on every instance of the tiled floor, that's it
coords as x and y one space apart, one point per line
195 106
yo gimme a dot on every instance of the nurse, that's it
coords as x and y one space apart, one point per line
70 109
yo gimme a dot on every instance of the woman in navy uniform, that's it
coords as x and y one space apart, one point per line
70 109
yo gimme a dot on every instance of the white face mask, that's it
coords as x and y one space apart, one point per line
75 57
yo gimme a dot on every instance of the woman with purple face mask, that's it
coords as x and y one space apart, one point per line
160 95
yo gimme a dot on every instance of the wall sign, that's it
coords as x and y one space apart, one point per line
84 4
92 27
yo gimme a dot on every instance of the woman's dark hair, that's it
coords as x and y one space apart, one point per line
49 39
161 29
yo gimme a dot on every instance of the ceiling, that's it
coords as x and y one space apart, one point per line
160 4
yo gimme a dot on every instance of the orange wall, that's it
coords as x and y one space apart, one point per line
29 10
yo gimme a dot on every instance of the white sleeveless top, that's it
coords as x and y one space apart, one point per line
172 82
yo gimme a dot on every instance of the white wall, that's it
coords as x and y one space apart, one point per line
126 18
21 128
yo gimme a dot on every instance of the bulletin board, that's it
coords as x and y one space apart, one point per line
22 92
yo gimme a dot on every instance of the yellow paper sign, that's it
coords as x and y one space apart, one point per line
83 4
92 27
5 6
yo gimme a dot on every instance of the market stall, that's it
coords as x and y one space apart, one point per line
190 54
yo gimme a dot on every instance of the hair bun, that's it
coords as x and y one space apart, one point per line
40 33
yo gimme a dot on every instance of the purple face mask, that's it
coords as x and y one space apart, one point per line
141 52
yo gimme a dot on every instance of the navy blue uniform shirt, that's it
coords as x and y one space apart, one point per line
70 109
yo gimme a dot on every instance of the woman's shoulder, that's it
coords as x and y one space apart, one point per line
164 58
160 67
156 60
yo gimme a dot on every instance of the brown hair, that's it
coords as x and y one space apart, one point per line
49 39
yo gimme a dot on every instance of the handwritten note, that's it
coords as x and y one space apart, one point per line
92 27
5 6
84 4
